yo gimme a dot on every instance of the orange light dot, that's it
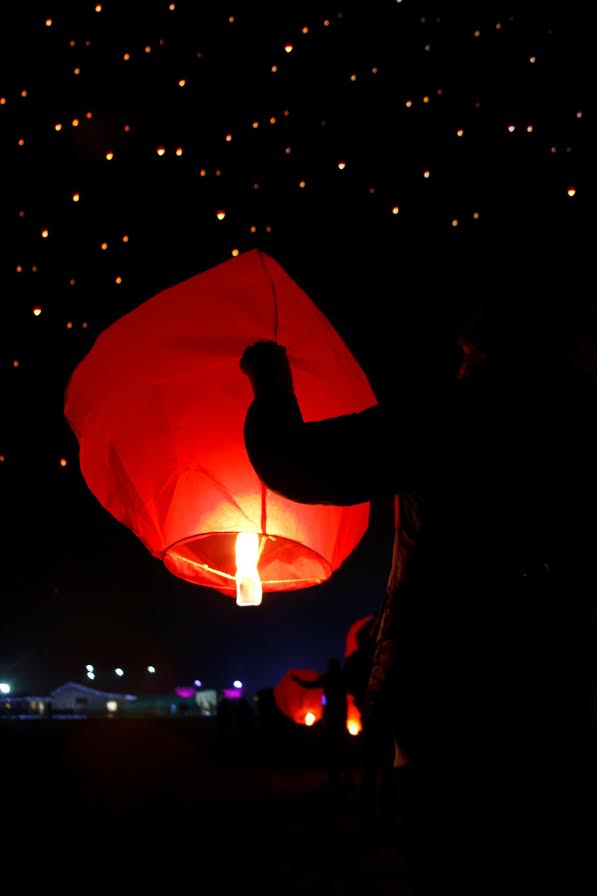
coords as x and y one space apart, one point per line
571 191
125 238
126 57
182 82
161 150
45 234
235 252
395 210
460 133
179 150
109 156
288 48
118 280
454 222
341 165
76 197
103 247
37 310
220 215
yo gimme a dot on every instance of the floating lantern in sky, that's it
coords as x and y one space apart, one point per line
158 407
303 705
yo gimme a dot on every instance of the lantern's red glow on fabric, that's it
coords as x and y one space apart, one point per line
158 407
296 701
352 643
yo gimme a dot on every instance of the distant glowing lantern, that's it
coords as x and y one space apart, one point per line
354 633
354 724
158 407
303 705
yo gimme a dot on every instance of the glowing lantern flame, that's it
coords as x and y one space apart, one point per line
248 583
309 719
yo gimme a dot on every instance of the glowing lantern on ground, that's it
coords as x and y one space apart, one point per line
352 637
303 705
158 407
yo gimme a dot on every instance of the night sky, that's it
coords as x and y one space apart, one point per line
392 158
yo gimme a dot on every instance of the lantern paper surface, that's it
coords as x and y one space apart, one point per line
298 702
352 636
158 407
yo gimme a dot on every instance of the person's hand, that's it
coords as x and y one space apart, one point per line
266 364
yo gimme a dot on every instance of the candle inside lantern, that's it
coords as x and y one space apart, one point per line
248 583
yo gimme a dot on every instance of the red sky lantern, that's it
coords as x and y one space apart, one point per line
353 632
303 705
158 407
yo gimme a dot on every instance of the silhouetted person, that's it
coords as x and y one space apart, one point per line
377 795
334 716
481 655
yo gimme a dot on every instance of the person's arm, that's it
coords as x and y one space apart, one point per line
341 461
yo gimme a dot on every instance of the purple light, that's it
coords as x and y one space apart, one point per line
185 693
231 693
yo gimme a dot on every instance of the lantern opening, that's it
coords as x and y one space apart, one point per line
209 559
248 583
